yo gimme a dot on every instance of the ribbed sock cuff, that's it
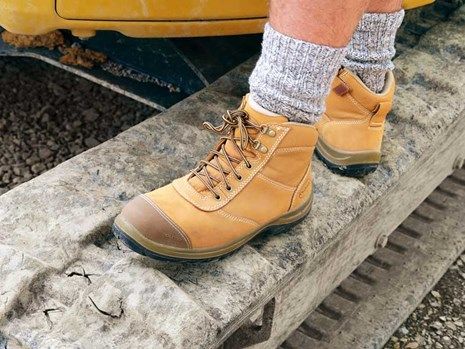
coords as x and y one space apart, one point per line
371 49
293 77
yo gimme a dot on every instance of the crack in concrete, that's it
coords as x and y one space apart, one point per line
83 274
107 313
47 316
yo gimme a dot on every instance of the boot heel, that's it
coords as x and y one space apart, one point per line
346 163
355 170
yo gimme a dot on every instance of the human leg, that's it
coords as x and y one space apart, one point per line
351 130
258 177
303 47
371 49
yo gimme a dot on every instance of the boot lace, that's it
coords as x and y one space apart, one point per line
232 121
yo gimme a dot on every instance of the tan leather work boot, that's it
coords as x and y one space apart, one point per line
257 179
351 129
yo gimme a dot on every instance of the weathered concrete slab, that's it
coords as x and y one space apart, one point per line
61 221
16 272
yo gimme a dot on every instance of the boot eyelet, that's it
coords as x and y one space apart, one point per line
249 166
263 149
239 178
228 188
218 197
266 130
259 146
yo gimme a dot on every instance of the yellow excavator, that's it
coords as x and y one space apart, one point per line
156 51
142 19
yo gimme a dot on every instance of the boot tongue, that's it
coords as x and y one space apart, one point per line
257 118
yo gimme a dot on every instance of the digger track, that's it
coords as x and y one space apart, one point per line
369 305
418 21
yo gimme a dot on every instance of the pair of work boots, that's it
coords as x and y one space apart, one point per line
258 177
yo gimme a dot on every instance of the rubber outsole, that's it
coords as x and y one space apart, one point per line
138 248
356 170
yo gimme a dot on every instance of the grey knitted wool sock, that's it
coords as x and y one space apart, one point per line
293 77
371 49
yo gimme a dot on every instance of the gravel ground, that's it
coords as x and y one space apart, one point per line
439 321
49 115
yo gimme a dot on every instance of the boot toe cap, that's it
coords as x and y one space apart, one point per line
145 220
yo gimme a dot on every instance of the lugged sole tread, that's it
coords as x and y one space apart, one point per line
356 171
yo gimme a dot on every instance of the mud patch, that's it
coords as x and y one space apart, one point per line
79 56
49 40
71 54
120 70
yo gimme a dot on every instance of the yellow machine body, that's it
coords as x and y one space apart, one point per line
411 4
141 18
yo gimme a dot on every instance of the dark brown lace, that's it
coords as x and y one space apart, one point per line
232 120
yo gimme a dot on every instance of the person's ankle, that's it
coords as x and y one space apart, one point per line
372 48
293 77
